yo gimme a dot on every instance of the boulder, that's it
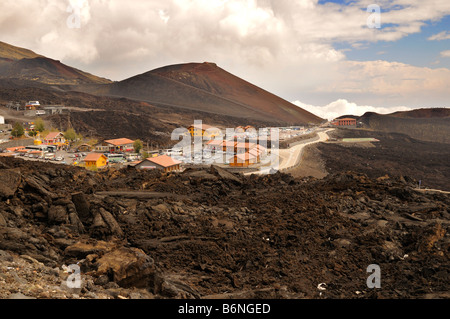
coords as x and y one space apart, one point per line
128 267
161 209
111 222
81 249
9 182
82 207
2 221
74 219
224 174
200 175
38 186
57 215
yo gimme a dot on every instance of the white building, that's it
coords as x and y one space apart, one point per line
2 120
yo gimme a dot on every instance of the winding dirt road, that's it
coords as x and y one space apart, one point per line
289 158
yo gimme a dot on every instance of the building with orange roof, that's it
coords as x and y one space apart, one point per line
95 160
163 162
244 147
15 149
214 145
118 145
257 153
229 146
345 122
55 138
204 130
244 160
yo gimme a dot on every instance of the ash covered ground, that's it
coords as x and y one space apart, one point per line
212 234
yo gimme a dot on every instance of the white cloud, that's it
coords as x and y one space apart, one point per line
286 47
444 35
343 107
246 30
383 77
445 54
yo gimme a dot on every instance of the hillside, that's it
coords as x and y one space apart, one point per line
11 52
196 87
395 155
425 124
92 115
25 65
424 113
208 88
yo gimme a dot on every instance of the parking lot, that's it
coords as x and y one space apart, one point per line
60 157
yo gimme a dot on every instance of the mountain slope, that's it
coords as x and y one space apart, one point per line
11 52
25 65
206 87
424 124
198 87
424 113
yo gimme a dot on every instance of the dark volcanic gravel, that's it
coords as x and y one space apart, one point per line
209 233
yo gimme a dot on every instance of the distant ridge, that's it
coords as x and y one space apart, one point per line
22 64
427 124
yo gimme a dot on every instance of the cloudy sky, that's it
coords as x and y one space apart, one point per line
329 57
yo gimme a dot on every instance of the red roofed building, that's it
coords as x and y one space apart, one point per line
95 160
15 149
229 146
244 160
214 145
244 147
257 153
54 138
204 130
117 145
344 122
163 162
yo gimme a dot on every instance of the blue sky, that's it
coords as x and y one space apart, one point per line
414 49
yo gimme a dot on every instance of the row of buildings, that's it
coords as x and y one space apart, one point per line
238 154
108 146
243 154
162 162
35 108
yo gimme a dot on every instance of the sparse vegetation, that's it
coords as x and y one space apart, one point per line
138 145
70 135
18 130
32 133
39 125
